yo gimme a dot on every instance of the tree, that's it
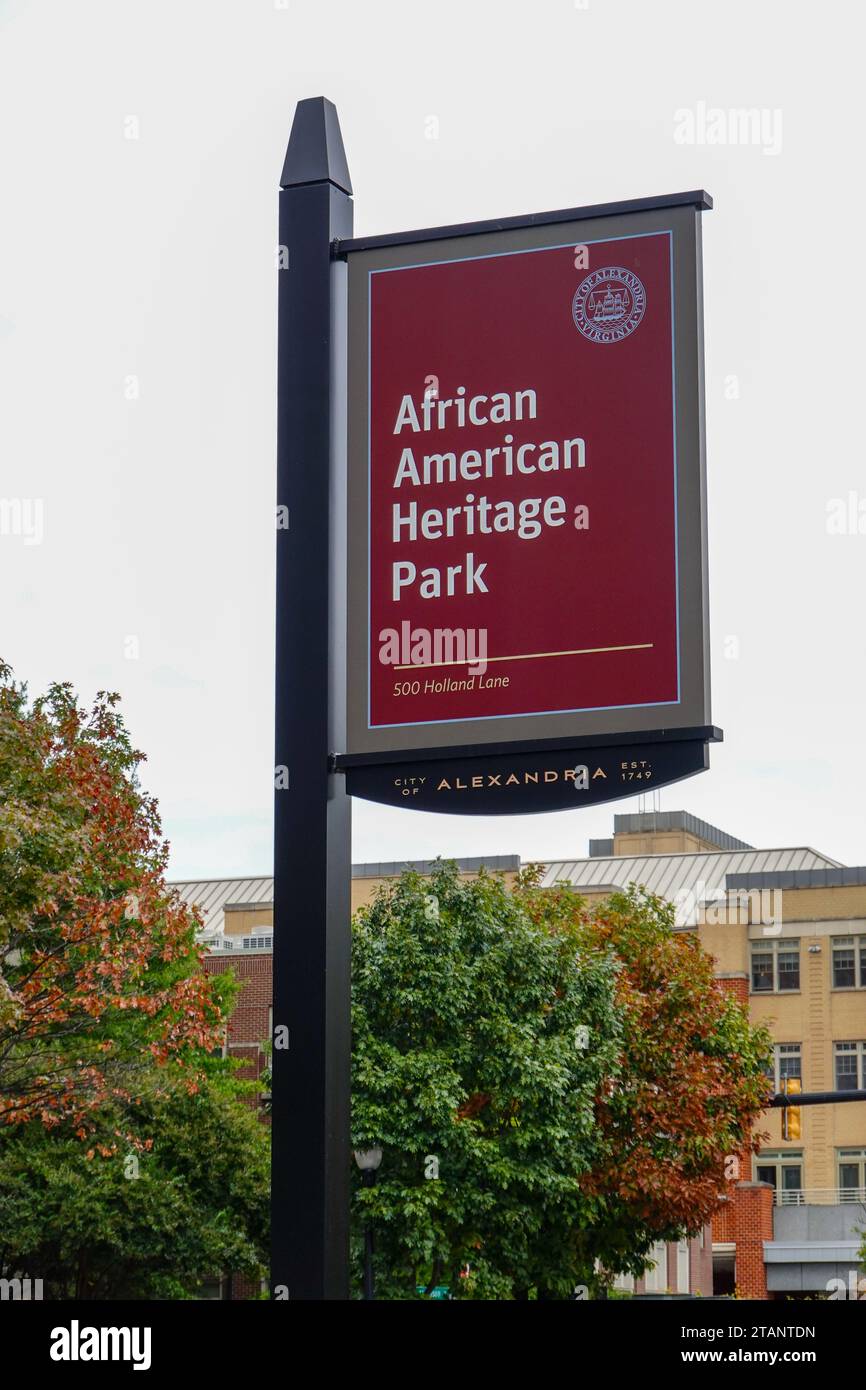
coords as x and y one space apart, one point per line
692 1082
99 972
562 1154
474 1070
153 1220
129 1164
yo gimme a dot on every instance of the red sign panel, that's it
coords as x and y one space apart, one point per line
522 484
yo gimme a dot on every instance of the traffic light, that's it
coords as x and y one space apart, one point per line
791 1086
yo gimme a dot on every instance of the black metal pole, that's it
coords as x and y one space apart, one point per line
782 1101
369 1180
369 1288
312 866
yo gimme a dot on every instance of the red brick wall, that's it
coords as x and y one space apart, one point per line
701 1263
248 1030
724 1220
738 985
746 1218
753 1211
249 1025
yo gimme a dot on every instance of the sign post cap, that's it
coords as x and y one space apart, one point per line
315 153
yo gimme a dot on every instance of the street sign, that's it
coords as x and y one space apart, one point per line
526 510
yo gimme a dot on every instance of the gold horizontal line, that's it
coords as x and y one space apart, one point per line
526 656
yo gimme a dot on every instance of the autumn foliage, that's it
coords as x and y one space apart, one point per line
691 1082
101 988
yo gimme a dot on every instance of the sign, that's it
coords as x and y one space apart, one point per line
522 782
526 485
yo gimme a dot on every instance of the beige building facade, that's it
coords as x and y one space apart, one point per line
805 973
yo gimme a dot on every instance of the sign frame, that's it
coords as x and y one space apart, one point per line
679 216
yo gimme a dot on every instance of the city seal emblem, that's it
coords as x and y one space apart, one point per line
609 304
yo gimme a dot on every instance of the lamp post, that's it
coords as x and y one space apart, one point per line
368 1161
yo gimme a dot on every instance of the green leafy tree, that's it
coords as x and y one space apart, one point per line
481 1040
130 1164
146 1221
562 1156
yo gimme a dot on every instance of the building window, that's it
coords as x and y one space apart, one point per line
214 1288
258 943
850 1059
775 966
849 962
624 1282
852 1175
682 1266
656 1277
787 1063
785 1172
762 968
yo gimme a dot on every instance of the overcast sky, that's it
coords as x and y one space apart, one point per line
141 151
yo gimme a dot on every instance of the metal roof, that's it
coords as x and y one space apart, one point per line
854 877
702 874
213 896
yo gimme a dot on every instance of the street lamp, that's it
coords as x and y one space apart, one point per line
368 1161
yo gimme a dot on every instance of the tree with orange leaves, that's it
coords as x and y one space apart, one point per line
102 995
692 1079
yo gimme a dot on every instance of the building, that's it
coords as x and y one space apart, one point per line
787 929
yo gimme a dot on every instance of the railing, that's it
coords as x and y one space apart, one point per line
818 1196
239 944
